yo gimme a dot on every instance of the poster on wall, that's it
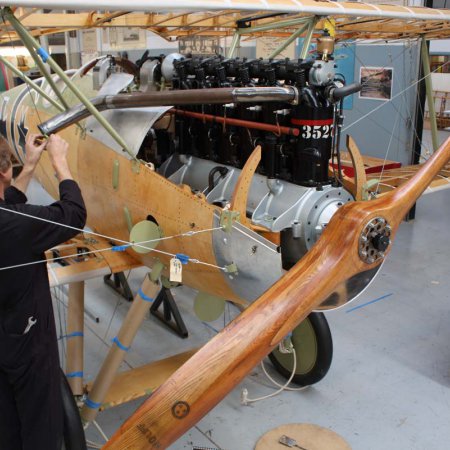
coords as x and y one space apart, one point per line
199 46
376 83
127 38
90 47
266 45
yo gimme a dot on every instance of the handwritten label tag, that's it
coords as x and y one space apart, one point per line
176 270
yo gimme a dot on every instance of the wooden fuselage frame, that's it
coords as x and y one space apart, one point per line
140 189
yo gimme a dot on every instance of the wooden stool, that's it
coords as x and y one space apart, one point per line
306 435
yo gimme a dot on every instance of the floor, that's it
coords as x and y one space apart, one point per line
389 383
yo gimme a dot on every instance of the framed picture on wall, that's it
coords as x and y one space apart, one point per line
376 82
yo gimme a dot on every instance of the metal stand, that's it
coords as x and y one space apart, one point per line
120 284
170 309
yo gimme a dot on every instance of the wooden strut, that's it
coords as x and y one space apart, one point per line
136 314
358 165
242 188
224 361
75 340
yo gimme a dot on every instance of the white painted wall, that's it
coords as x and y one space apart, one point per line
441 81
441 47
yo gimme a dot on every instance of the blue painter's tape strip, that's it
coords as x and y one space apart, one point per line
74 375
145 297
184 259
369 303
90 404
43 54
210 327
119 248
74 334
119 344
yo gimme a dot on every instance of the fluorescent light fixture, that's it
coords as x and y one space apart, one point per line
14 51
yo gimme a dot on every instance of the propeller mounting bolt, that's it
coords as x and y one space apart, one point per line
374 240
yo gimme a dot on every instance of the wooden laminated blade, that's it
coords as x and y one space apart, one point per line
223 362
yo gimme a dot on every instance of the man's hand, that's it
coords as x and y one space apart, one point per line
33 151
34 146
57 149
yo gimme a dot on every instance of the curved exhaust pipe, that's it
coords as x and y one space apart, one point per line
288 94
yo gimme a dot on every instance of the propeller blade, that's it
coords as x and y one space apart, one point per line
357 239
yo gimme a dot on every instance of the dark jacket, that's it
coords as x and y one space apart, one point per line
24 291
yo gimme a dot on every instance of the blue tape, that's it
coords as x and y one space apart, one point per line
120 248
74 334
210 327
119 344
74 375
145 297
369 303
90 404
43 54
184 259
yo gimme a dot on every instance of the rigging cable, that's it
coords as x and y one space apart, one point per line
127 243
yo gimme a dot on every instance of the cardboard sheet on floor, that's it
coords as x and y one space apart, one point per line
305 435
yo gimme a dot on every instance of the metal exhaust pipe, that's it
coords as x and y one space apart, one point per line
288 94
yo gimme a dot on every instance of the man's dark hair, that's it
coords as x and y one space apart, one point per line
5 154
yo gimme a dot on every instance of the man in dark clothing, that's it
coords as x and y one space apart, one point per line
30 396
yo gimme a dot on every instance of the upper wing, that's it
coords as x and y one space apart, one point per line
223 17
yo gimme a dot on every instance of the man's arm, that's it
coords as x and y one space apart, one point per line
33 152
57 149
69 210
14 196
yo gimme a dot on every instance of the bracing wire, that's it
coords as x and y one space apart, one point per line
395 96
127 243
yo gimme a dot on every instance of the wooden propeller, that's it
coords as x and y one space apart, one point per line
359 228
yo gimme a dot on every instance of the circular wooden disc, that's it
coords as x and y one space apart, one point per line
208 307
308 436
143 232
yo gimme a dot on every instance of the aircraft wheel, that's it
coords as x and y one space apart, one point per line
313 345
74 438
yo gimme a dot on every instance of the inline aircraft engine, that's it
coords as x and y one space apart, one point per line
206 145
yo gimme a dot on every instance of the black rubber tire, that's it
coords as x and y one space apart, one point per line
314 349
74 438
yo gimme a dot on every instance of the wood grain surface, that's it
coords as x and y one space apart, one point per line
223 362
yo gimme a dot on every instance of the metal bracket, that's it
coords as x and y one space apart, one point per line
115 174
157 269
128 219
135 166
227 218
231 269
366 187
168 284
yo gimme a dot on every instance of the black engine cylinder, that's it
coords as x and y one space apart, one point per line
314 117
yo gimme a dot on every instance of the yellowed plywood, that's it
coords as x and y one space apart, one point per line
143 380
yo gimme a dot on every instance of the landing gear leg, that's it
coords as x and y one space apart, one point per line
313 345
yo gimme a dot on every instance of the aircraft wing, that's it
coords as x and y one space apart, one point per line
392 178
171 20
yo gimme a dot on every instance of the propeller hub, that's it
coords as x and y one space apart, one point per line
374 240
